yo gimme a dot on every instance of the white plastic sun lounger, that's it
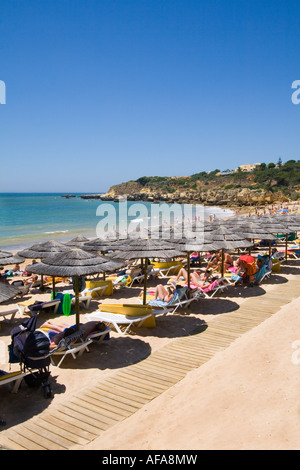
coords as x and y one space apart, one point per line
76 345
166 272
12 312
118 320
15 377
75 351
221 284
23 307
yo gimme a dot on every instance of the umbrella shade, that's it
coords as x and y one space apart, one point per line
193 245
41 250
7 258
74 263
77 241
145 248
265 236
276 228
251 232
100 245
7 292
228 240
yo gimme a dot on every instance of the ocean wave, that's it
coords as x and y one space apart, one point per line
57 231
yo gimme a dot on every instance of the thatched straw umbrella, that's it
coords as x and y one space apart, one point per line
42 250
197 239
228 240
254 230
7 292
100 245
73 263
192 245
145 248
77 242
274 225
7 258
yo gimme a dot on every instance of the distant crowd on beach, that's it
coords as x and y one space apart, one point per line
284 207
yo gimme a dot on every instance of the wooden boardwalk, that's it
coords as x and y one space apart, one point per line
86 415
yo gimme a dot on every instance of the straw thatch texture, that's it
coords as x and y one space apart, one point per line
8 258
7 292
41 250
74 262
145 248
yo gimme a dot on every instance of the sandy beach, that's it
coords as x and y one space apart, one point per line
244 396
149 133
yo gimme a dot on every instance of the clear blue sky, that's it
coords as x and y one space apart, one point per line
103 91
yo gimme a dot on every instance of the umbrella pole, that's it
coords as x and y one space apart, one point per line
270 248
188 271
42 283
286 246
77 301
222 269
145 281
53 288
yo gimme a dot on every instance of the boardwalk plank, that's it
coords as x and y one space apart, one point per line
83 417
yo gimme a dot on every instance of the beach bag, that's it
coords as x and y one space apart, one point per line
36 307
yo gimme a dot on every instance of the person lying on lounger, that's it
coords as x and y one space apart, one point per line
129 270
57 331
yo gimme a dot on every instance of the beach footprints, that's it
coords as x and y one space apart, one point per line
296 353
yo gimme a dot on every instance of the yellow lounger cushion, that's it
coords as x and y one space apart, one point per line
11 374
107 283
131 310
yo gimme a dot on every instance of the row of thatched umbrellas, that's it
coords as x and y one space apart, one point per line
81 257
8 291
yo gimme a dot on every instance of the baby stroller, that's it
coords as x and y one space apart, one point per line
31 348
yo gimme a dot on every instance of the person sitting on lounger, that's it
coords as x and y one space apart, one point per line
275 253
31 279
164 294
216 262
247 271
196 277
17 270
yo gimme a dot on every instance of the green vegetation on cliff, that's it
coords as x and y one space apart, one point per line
283 177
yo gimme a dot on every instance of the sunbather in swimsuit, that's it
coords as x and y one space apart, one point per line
57 331
196 278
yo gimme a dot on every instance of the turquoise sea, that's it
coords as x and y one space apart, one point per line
27 218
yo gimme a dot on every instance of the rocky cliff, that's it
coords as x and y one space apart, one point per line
266 184
234 197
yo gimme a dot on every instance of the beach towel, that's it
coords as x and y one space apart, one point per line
210 287
261 272
178 295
